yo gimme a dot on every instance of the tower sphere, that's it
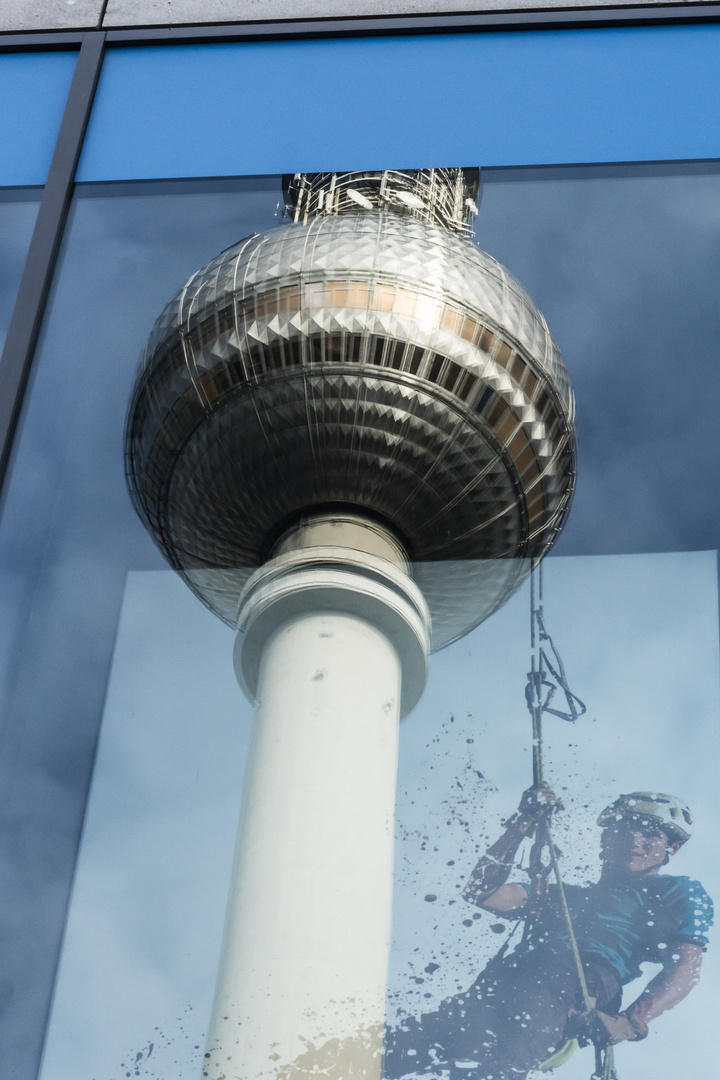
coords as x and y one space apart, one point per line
364 357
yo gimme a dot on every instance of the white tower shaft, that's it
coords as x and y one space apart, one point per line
308 924
302 981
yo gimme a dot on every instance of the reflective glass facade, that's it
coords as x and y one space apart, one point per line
620 259
34 88
557 96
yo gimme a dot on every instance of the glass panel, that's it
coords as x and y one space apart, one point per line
68 537
18 211
639 347
95 626
33 90
659 84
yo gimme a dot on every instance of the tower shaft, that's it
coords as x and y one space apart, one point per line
304 963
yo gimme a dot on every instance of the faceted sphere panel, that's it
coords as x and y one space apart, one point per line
373 363
339 439
417 471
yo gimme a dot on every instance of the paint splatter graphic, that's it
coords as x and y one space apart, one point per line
445 823
172 1051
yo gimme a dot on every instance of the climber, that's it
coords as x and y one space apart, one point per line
527 1003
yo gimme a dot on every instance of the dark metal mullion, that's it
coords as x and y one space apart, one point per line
42 255
41 41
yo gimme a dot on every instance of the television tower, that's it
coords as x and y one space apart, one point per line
350 435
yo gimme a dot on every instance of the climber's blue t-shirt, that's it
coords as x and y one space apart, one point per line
624 923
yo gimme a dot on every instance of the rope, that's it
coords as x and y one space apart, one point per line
587 1003
540 662
604 1062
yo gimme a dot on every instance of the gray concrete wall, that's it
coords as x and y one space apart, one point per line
153 12
19 15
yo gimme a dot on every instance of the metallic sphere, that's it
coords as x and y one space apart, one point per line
367 357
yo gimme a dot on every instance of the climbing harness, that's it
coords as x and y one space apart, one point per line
539 693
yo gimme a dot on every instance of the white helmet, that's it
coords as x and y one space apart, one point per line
664 810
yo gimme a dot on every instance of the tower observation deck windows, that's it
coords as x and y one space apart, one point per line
390 299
